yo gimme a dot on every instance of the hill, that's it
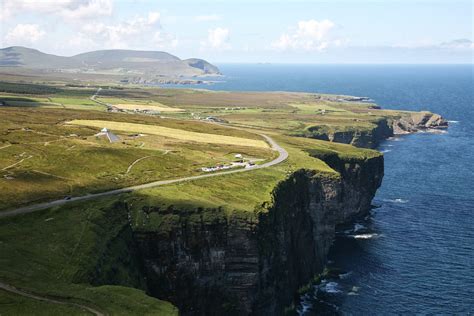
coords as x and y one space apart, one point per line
130 65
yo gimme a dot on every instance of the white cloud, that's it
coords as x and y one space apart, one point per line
217 39
70 10
141 32
462 43
164 40
308 35
208 18
24 34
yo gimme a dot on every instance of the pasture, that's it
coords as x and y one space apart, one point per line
172 133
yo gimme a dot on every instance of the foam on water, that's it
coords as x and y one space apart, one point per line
398 200
365 236
330 287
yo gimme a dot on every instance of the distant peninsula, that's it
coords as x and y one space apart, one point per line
115 65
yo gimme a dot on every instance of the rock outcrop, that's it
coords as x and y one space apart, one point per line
406 123
418 121
254 262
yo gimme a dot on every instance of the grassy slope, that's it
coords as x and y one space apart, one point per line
13 304
47 154
63 245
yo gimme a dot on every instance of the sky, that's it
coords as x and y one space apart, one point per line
337 31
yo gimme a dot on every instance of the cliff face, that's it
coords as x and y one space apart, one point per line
406 123
254 263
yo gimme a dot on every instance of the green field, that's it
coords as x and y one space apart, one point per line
172 133
83 252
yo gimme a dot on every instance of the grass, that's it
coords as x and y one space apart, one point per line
79 252
69 160
13 304
63 247
172 133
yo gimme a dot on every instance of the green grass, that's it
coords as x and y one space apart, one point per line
63 246
171 133
14 304
52 160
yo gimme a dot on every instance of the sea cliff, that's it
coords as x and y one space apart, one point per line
254 262
380 129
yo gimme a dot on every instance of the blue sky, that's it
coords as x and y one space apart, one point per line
335 31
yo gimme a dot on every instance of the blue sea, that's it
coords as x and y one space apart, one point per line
415 253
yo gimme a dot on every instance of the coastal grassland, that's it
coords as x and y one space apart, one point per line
172 133
61 253
41 158
83 252
160 209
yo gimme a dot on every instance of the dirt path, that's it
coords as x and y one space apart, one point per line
13 289
135 162
282 156
16 163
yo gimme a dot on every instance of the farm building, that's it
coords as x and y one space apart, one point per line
108 134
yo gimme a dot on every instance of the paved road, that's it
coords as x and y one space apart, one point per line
13 289
282 156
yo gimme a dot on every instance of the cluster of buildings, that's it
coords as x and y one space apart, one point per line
240 162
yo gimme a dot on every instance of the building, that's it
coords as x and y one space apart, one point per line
108 134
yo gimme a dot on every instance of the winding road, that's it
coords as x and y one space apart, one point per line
282 156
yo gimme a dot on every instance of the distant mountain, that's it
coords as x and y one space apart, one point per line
144 64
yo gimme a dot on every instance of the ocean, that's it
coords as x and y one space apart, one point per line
415 253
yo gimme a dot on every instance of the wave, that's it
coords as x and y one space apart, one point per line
386 150
358 227
354 291
398 200
345 275
432 131
330 287
365 236
395 139
453 122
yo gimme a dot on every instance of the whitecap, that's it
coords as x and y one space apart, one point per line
365 236
398 200
330 287
386 150
453 122
436 131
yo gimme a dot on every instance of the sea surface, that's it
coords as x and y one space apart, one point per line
415 253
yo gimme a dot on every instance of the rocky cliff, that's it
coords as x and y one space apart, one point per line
211 262
383 128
